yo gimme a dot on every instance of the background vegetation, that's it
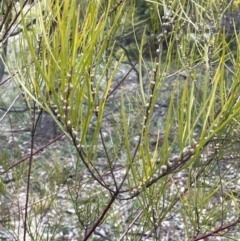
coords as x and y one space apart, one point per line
119 120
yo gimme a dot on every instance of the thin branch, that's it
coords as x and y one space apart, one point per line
10 107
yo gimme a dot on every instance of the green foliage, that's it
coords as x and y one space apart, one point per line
154 132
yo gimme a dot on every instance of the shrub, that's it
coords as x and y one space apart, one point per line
151 137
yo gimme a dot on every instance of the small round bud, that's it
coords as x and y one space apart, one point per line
68 123
75 133
176 159
163 168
